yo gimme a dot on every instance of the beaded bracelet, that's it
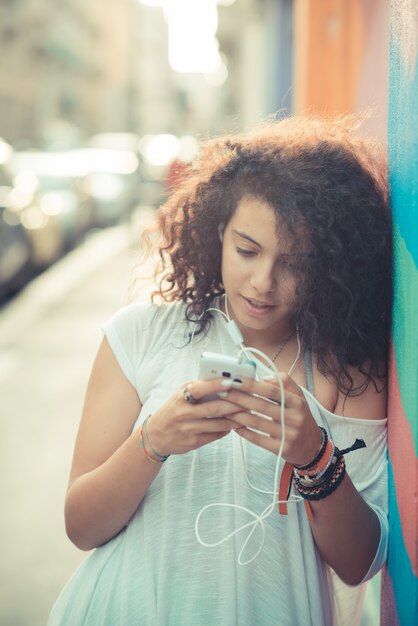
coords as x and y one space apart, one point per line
333 457
325 488
321 484
320 468
330 476
317 474
160 457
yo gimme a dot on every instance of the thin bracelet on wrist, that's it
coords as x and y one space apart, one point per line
147 454
161 457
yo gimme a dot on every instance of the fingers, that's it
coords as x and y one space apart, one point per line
217 425
213 408
200 400
252 408
260 400
259 422
268 391
206 438
264 396
199 390
258 439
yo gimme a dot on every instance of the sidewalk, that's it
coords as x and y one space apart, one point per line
48 339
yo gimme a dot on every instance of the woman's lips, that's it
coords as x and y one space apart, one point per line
257 308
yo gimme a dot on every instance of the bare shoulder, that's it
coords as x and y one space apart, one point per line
370 404
110 409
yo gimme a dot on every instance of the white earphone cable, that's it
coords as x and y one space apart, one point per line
258 519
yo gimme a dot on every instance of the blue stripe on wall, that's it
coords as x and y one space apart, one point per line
403 148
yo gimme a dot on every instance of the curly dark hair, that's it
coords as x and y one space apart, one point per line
323 179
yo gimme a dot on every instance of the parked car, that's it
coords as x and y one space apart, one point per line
15 257
113 175
57 205
15 247
111 181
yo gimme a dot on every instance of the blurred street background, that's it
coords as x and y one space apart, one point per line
102 105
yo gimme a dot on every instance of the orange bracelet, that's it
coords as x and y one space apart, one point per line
147 454
323 462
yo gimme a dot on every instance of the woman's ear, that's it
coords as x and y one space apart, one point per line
221 229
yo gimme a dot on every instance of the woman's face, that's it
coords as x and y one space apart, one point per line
259 271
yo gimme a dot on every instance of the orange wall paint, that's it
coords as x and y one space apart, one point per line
329 47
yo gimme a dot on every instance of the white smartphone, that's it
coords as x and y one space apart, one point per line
214 365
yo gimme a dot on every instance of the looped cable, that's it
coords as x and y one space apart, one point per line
278 498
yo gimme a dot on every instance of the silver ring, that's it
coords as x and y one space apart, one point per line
188 396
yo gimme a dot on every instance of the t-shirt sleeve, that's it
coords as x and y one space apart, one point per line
123 332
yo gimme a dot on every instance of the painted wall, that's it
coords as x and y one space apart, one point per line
329 43
341 59
400 580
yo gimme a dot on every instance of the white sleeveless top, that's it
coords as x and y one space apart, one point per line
155 572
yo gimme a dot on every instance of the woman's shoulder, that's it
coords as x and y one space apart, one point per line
145 314
140 329
367 402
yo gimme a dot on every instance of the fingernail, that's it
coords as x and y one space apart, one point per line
223 394
226 383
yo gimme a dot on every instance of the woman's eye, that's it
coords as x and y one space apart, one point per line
244 252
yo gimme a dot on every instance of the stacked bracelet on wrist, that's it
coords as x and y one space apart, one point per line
150 453
319 478
321 487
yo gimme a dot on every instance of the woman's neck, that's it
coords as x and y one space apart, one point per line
268 340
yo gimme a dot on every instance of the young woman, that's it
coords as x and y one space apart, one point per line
286 231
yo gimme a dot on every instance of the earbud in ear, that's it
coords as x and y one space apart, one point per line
221 228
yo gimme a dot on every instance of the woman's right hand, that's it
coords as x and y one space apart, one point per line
110 476
180 425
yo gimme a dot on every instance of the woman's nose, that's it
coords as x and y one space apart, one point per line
264 279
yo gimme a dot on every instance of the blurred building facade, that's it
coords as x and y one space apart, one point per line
72 69
75 68
64 67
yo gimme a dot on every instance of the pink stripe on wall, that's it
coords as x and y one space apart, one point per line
404 464
389 614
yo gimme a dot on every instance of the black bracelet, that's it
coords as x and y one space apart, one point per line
325 489
319 455
311 482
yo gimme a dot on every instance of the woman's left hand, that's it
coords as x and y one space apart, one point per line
261 403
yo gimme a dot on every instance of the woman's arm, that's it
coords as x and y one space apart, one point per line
110 473
345 528
346 531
